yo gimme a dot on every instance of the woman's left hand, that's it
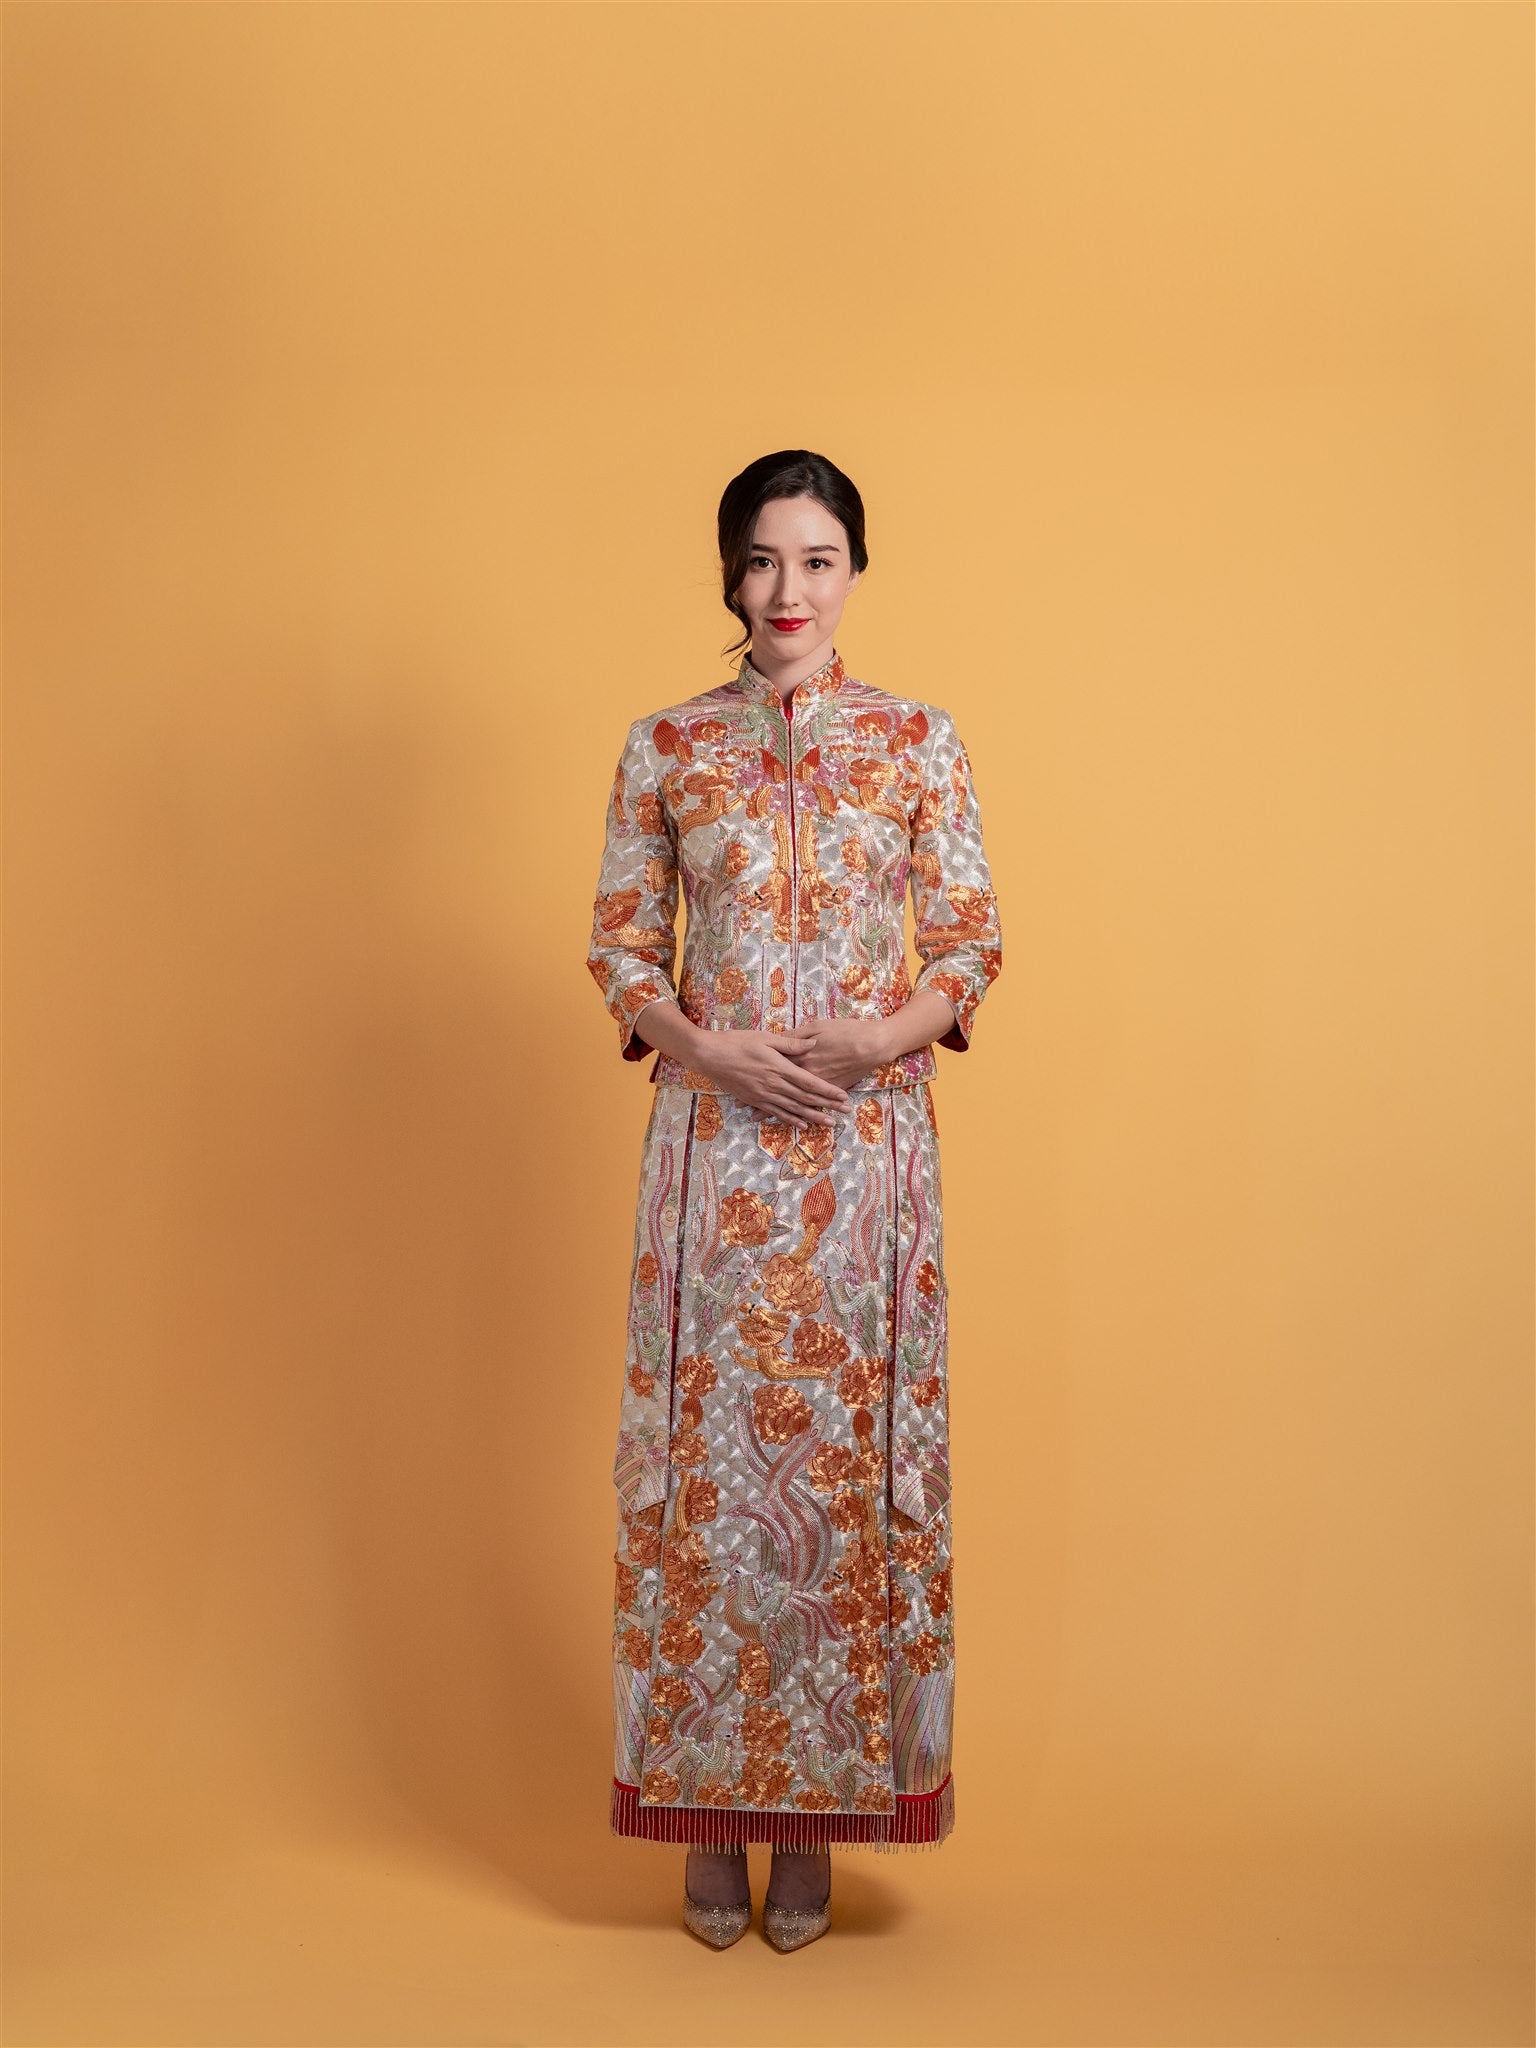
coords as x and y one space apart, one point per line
847 1049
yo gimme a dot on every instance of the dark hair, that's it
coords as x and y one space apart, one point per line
791 473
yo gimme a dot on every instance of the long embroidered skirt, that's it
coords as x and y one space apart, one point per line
783 1633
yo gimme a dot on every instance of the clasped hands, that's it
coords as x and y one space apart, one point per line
802 1076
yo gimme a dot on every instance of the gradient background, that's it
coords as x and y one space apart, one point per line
373 375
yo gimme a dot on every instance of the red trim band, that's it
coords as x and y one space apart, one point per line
920 1819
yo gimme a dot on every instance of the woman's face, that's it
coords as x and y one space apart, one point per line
798 568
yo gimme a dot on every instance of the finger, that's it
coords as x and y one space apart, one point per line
806 1077
788 1113
814 1090
804 1112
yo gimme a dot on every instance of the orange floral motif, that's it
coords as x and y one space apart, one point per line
927 1278
869 1466
781 1412
806 1149
816 1799
646 1269
924 1652
752 1670
915 1552
866 1656
710 1120
680 1642
635 1647
927 1391
812 1150
830 1466
869 1120
871 1704
952 986
636 998
859 1586
690 1447
791 1285
696 1374
764 1728
862 1380
730 984
775 1136
660 1787
847 1510
700 1498
818 1347
766 1780
745 1217
687 1582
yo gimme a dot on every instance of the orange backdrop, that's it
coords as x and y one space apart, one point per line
372 377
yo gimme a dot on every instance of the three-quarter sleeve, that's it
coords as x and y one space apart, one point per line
634 917
957 929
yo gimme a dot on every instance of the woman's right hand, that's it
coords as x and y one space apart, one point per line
758 1067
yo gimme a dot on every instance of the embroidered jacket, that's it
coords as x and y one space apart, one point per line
793 832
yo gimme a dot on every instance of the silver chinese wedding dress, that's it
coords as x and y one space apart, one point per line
784 1608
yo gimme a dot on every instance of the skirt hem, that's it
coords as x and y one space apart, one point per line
921 1821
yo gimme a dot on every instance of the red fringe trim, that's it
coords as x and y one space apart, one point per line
921 1821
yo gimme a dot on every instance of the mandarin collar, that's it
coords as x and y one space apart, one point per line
820 683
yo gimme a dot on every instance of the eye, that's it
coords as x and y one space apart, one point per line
822 559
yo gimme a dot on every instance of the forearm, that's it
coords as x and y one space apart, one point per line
663 1025
920 1020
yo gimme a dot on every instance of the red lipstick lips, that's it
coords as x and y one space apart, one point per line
787 625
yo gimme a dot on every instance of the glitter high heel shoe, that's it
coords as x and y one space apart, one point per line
718 1925
790 1927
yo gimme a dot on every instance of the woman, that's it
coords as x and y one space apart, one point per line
783 1635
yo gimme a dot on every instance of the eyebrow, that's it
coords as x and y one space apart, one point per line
825 547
